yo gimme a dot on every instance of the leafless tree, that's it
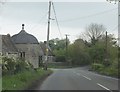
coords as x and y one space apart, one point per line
94 32
2 1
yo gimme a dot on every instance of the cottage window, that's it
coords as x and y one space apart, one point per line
21 54
1 53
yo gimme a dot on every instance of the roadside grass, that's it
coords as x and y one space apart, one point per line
109 71
23 80
0 83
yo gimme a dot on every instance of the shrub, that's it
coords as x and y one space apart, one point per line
97 67
60 59
111 71
20 66
10 66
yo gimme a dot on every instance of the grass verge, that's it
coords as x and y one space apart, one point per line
23 80
108 71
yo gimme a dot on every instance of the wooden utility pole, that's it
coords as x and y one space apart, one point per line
66 44
48 32
106 57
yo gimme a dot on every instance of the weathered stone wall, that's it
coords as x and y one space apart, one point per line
32 53
50 59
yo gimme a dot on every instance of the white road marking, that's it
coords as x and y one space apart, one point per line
89 72
86 77
82 75
74 72
104 87
78 74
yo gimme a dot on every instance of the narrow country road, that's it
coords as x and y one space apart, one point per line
78 79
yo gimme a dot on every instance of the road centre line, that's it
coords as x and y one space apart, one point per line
78 74
74 72
104 87
91 79
86 77
82 76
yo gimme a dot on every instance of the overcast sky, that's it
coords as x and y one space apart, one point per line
73 17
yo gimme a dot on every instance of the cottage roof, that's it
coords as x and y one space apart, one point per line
7 44
24 38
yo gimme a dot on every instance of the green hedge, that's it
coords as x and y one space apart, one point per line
97 67
60 58
110 71
11 66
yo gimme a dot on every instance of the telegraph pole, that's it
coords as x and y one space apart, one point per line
106 57
48 32
66 44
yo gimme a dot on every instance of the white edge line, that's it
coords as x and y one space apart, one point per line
109 77
104 87
86 77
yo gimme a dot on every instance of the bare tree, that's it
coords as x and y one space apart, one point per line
2 1
94 32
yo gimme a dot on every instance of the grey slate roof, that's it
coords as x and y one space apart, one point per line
7 44
23 38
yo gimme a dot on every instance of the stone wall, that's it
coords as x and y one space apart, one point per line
32 53
50 59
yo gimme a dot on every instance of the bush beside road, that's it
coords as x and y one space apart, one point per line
109 71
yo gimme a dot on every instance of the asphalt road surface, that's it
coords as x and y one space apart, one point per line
78 79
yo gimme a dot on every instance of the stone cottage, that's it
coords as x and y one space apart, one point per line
7 48
25 46
28 46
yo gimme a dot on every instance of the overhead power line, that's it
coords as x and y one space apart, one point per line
57 20
92 15
40 21
116 27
